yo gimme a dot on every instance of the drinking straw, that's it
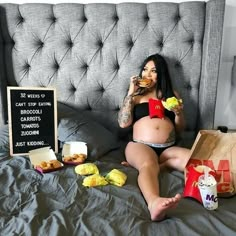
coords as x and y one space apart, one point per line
206 170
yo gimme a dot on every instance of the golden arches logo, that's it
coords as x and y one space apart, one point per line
194 184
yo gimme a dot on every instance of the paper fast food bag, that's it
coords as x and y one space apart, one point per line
216 150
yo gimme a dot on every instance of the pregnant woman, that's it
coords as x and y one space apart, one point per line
153 145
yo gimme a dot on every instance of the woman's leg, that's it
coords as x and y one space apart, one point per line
144 159
174 158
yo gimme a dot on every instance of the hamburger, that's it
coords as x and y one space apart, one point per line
171 103
144 82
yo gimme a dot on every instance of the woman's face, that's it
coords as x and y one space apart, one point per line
150 72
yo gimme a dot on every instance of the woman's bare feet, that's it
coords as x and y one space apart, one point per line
125 163
159 206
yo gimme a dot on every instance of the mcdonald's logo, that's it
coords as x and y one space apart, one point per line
194 184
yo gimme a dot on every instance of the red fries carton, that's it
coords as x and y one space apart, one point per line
156 108
191 185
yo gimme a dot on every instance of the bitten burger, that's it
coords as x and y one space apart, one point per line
144 82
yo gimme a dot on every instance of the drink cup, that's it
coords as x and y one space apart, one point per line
191 186
208 190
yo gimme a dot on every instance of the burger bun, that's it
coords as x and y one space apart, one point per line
144 82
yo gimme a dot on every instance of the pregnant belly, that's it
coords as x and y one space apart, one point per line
154 130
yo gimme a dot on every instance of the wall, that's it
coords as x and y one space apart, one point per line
225 109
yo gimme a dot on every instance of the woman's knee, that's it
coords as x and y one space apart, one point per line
139 155
175 158
150 163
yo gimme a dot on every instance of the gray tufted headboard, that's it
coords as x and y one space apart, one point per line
89 51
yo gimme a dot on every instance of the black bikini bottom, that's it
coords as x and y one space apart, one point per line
158 148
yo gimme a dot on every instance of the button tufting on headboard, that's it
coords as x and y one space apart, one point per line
177 18
56 65
69 43
20 20
177 64
100 44
115 18
26 67
53 19
188 86
161 44
85 66
40 44
85 19
116 67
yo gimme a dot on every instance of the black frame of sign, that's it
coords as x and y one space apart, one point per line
32 119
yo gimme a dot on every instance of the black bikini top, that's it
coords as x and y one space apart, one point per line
142 109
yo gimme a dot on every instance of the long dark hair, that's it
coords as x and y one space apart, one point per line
163 86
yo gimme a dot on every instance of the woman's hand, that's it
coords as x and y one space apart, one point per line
133 85
179 118
178 109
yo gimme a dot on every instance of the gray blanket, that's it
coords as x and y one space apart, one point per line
57 203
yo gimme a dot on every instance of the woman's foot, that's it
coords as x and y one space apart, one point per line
125 163
159 206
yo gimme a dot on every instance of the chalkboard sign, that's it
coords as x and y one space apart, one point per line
32 117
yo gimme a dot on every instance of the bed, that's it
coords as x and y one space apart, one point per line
88 53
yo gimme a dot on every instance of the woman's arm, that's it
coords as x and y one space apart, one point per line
180 123
125 115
